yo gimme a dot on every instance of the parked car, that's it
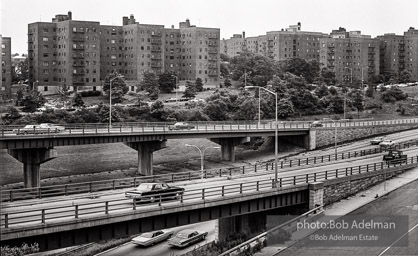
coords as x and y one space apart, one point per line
181 126
151 238
377 140
151 192
387 143
39 129
187 237
316 124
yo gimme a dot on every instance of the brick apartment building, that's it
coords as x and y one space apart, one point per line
350 55
400 52
6 67
288 43
81 54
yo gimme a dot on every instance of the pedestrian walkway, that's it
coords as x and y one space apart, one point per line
348 205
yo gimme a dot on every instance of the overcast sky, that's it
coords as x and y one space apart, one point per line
255 17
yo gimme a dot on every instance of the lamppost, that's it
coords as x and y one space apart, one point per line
335 134
202 155
110 97
276 142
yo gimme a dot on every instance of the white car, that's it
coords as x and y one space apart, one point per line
151 238
39 129
387 143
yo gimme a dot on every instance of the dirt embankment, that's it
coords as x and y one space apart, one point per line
111 161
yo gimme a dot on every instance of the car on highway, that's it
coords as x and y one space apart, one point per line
187 237
377 140
153 191
151 238
395 156
387 143
39 129
316 124
181 126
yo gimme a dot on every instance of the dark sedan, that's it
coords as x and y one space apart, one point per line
187 237
152 192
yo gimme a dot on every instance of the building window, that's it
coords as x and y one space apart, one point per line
45 88
45 39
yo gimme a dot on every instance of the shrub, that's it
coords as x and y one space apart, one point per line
19 251
90 93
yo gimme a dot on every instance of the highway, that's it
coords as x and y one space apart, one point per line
401 202
60 210
150 128
163 249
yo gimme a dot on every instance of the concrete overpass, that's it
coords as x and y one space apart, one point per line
63 224
34 149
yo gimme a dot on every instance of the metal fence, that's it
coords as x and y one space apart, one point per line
100 207
259 168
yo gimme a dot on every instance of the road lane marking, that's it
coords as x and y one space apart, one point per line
398 240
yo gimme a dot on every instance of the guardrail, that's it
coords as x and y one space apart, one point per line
148 127
100 208
263 236
11 195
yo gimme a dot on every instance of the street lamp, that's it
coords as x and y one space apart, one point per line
335 134
110 97
202 155
276 142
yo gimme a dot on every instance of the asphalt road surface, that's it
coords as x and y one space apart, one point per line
163 249
401 202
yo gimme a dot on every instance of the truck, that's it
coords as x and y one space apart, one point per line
394 156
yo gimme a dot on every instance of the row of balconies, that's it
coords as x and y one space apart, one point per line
78 39
156 41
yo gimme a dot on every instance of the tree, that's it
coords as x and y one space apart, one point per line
227 83
19 97
64 94
358 101
224 69
190 91
255 69
328 76
321 91
167 82
11 115
199 84
150 85
405 76
394 94
78 101
157 110
33 101
248 109
309 70
285 108
20 72
370 91
119 87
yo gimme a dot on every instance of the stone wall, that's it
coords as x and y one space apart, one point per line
325 136
337 189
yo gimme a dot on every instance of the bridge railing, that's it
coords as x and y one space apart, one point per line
8 195
154 127
100 208
264 236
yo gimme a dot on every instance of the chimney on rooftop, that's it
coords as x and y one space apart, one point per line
70 15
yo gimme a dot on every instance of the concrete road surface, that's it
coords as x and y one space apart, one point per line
163 249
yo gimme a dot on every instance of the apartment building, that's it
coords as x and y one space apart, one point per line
81 54
350 55
6 68
288 43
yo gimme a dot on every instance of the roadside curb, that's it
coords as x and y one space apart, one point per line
113 248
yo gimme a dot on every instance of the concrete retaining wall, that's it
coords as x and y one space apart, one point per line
335 190
325 136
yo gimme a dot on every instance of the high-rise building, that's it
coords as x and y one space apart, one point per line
288 43
399 53
6 68
81 54
350 55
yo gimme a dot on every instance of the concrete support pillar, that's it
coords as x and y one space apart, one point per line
145 154
316 194
249 224
32 158
228 146
309 142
